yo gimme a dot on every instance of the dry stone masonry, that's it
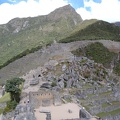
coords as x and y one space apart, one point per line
77 79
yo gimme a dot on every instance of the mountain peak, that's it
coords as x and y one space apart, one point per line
67 8
64 12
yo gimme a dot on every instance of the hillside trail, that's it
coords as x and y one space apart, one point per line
57 51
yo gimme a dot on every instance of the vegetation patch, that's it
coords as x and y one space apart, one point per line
11 105
96 31
117 68
104 114
13 88
24 53
98 53
5 98
112 103
38 31
105 93
1 111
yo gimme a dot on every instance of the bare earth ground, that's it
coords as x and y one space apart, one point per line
55 51
59 112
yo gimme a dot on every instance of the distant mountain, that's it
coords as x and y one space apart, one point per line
23 35
95 31
117 23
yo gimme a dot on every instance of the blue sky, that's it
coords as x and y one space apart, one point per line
11 1
76 3
88 9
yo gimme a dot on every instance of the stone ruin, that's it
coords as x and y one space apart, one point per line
2 92
44 98
73 74
24 112
34 81
84 115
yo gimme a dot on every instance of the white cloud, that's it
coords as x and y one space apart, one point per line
107 10
30 8
12 1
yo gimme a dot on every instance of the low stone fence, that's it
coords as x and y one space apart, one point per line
97 91
111 108
98 109
113 117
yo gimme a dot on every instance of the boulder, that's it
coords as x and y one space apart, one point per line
61 84
46 85
64 67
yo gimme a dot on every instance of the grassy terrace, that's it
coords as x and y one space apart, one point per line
104 105
100 95
86 86
88 107
104 114
105 93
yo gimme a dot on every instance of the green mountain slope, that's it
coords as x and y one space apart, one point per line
100 54
96 31
26 34
97 52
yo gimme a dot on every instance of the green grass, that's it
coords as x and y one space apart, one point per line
96 31
5 98
105 93
98 53
90 95
117 68
1 111
21 86
112 104
88 107
104 114
41 31
15 46
86 86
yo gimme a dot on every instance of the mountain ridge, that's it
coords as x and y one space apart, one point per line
117 23
21 34
62 12
54 51
98 30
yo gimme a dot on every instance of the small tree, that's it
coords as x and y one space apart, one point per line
12 86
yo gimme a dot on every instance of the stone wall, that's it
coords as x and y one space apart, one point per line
41 98
113 117
24 112
2 92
